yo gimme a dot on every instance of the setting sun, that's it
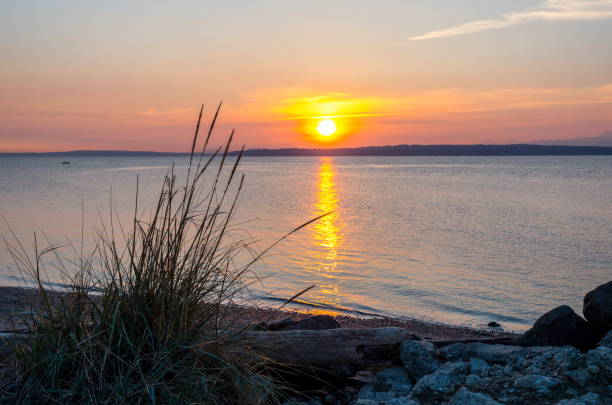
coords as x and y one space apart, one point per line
326 127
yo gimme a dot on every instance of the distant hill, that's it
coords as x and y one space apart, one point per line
604 139
395 150
438 150
95 153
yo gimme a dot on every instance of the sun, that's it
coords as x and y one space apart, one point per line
326 127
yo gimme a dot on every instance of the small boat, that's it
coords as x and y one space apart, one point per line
66 163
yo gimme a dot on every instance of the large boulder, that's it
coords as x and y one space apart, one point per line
317 322
597 307
418 357
559 327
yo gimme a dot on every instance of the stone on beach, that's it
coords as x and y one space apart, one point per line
418 357
587 399
442 382
606 340
317 322
467 397
561 326
597 307
492 353
536 382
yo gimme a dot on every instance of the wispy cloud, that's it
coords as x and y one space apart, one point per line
549 10
167 113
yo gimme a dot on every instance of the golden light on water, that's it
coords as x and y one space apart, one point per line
327 236
326 230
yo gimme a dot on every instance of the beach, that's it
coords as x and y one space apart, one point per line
17 301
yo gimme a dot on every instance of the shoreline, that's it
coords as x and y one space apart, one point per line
15 300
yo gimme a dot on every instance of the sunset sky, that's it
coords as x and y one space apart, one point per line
113 75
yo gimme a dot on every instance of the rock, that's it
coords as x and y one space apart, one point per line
366 402
536 382
556 361
368 393
597 306
475 382
440 384
402 401
467 397
294 401
418 357
317 322
559 327
606 340
599 369
578 377
491 353
477 365
493 324
587 399
280 324
329 399
394 379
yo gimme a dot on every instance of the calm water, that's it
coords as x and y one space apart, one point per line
460 240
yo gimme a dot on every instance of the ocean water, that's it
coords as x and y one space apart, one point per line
456 240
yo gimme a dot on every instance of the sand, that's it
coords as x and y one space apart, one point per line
15 301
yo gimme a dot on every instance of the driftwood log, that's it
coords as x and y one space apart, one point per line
328 347
364 347
360 347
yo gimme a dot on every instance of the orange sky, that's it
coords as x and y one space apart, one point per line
116 76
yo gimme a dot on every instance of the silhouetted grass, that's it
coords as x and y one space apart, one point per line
143 319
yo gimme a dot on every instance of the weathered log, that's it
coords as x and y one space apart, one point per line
363 347
328 347
512 341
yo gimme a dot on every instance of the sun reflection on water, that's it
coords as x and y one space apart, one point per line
327 237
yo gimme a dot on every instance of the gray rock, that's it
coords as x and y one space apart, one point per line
602 358
490 353
555 361
571 392
476 382
587 399
536 382
418 357
477 365
294 401
366 392
317 322
606 340
593 369
388 392
392 377
441 383
402 401
578 377
597 306
278 324
366 402
467 397
559 327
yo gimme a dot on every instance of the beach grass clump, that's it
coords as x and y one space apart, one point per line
143 319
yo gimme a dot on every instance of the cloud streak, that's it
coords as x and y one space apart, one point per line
549 10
